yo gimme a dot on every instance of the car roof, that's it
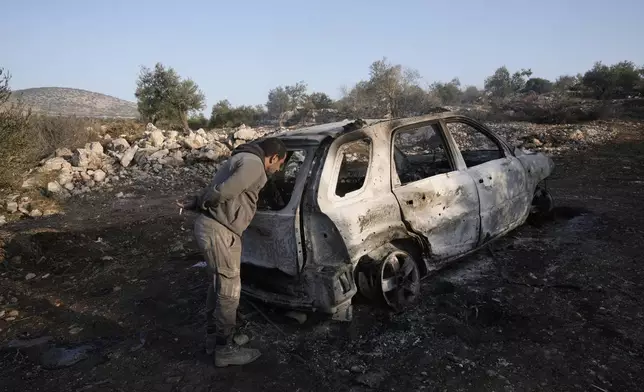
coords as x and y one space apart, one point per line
317 133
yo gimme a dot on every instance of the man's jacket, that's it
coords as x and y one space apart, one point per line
231 197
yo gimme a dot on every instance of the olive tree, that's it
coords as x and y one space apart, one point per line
162 94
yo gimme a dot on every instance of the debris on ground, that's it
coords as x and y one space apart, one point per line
300 317
18 343
57 358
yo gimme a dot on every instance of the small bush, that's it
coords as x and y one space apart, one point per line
50 133
16 149
28 138
130 129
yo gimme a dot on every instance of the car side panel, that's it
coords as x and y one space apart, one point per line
371 217
273 238
444 209
501 186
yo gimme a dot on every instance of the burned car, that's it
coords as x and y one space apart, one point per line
373 206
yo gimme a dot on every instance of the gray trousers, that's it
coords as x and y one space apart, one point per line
222 250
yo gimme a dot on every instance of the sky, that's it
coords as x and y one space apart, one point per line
240 50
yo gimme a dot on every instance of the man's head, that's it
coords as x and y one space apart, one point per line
274 154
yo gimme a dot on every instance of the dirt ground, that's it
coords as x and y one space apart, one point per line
551 307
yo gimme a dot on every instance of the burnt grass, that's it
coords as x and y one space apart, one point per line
555 305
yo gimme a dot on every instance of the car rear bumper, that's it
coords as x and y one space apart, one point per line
326 289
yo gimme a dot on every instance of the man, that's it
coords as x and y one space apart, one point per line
226 208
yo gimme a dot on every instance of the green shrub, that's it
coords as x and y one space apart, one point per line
16 148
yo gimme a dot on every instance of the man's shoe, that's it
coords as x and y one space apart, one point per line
211 339
232 354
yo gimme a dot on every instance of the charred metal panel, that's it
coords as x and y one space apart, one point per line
445 210
500 178
273 238
367 217
537 167
504 200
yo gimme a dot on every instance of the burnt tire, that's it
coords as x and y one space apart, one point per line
393 281
542 207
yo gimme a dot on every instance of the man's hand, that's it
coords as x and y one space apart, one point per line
188 203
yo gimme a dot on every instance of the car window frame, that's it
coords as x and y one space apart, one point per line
436 125
505 149
300 178
337 165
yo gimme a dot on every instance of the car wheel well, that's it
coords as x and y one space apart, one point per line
415 250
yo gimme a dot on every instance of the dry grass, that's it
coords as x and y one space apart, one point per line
27 138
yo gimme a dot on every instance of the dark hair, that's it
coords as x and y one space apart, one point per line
273 146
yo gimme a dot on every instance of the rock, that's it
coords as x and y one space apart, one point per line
30 182
36 213
172 145
30 276
219 149
54 164
14 313
150 127
297 316
64 153
577 135
95 147
120 195
54 187
75 330
194 141
142 156
24 207
12 207
69 186
172 135
3 220
357 369
245 133
119 145
240 339
57 191
210 155
156 138
85 176
99 175
87 159
128 156
65 176
57 358
159 154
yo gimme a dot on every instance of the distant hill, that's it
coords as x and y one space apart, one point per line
63 101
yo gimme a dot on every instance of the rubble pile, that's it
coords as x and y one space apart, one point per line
115 161
554 139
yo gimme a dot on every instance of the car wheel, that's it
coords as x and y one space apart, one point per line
395 280
542 203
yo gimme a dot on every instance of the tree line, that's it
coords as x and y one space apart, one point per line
390 90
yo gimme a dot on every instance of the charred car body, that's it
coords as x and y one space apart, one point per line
373 206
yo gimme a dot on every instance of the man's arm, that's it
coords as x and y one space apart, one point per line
245 174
